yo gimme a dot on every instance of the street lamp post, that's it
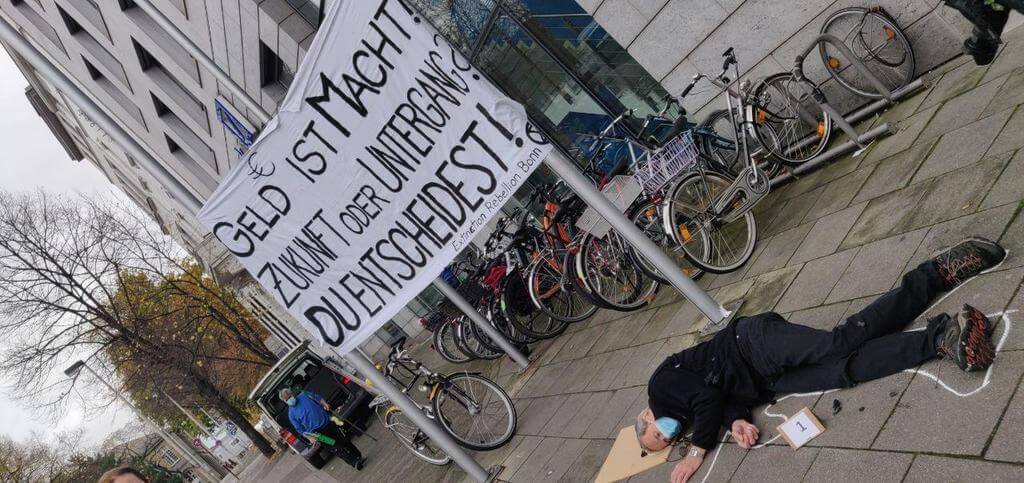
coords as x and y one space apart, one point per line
207 471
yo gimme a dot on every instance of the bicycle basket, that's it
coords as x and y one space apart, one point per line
666 163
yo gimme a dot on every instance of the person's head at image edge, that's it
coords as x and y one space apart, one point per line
122 474
655 434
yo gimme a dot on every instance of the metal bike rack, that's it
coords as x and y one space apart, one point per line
856 140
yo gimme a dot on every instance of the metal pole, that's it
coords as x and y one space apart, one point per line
204 59
481 322
868 110
872 134
189 415
586 190
184 449
897 95
429 426
25 49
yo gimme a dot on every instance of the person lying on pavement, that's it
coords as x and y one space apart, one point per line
716 383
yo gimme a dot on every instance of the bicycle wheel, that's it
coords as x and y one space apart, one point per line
706 241
475 411
648 219
789 122
473 344
500 322
720 144
445 343
877 41
560 301
609 273
410 436
521 313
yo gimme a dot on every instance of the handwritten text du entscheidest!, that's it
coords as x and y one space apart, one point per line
384 244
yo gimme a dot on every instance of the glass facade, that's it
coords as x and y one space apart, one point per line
550 55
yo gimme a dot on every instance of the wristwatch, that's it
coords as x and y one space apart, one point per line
695 452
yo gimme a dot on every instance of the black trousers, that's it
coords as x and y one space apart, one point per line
870 344
343 448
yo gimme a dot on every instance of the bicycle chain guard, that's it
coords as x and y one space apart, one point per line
749 187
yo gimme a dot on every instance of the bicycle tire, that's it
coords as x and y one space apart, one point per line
796 139
546 302
446 345
447 419
647 217
894 67
531 324
500 322
589 265
722 146
416 443
474 345
728 155
686 224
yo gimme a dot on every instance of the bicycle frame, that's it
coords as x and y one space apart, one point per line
751 184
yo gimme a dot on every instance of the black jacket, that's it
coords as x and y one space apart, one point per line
709 385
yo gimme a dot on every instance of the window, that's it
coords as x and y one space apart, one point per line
172 50
39 23
177 94
206 182
169 456
115 93
125 4
311 10
146 59
171 145
161 108
73 26
551 56
273 71
93 73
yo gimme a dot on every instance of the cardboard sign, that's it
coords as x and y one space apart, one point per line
801 428
624 459
388 155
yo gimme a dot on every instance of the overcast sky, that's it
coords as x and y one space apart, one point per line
31 158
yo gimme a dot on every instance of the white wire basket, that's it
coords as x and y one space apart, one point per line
666 163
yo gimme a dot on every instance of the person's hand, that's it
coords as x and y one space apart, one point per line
744 433
327 407
686 468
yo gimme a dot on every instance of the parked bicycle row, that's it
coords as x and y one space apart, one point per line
690 187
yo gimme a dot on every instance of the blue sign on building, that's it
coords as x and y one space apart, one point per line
235 125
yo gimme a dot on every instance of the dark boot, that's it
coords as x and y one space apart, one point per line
967 259
966 340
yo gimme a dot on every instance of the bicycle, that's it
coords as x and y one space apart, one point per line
875 39
708 211
462 403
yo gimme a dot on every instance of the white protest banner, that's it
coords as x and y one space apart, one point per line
387 156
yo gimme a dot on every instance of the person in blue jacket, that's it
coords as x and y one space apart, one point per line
310 414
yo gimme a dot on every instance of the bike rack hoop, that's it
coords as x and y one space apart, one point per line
838 44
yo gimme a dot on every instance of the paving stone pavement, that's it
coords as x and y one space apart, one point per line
829 243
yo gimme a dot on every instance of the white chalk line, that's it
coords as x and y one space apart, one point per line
1007 324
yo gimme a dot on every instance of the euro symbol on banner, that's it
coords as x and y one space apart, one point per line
257 171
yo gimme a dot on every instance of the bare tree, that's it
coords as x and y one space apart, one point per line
74 279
